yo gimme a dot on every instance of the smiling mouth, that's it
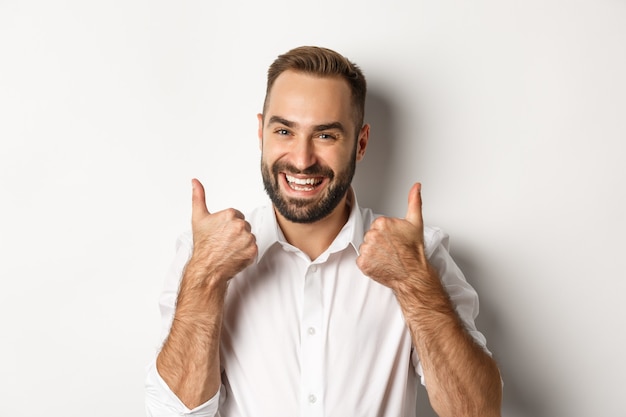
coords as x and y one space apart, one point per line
303 184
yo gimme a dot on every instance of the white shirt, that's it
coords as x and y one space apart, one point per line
311 338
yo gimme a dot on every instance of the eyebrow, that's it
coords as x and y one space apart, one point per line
318 128
329 126
280 120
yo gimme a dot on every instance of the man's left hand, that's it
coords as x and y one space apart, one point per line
393 249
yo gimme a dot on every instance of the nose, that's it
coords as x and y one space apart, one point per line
303 153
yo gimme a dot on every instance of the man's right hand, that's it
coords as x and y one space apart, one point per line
223 242
189 361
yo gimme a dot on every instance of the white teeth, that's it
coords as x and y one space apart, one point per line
303 181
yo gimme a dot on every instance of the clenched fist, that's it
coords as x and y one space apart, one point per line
393 249
223 244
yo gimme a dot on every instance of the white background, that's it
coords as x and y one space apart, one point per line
512 114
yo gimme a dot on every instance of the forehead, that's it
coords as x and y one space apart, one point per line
306 98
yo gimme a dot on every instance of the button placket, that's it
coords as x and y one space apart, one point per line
311 344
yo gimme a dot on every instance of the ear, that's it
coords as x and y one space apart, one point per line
260 131
362 140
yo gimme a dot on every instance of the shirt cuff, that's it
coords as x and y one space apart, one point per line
162 402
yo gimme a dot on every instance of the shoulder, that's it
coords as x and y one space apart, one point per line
259 217
184 240
258 214
433 238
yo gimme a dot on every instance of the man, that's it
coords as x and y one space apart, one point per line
314 306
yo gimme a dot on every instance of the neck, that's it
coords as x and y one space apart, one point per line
314 238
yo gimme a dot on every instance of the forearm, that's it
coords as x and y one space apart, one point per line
189 360
461 378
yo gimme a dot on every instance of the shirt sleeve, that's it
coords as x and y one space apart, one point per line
462 294
160 401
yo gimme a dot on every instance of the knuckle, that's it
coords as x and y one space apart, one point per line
230 213
239 225
382 223
373 238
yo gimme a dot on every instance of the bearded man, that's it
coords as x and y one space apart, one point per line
314 306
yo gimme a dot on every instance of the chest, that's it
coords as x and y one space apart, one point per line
289 298
309 331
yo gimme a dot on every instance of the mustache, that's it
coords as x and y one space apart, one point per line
314 170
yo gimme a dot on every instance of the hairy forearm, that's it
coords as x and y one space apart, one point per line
189 360
461 378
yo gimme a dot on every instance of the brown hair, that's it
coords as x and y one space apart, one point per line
322 62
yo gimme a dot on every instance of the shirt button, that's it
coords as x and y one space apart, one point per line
312 398
311 331
313 268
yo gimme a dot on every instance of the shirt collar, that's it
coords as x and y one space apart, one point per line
268 233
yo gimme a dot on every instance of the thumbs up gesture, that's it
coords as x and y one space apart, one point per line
393 249
223 242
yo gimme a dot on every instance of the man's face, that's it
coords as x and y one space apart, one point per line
309 145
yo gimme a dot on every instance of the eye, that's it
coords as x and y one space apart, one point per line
281 132
325 136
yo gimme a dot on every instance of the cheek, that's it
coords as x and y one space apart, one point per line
270 159
268 153
272 149
338 162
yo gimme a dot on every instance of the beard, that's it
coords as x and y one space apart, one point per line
302 210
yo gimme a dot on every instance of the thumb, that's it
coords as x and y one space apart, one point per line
414 209
198 201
